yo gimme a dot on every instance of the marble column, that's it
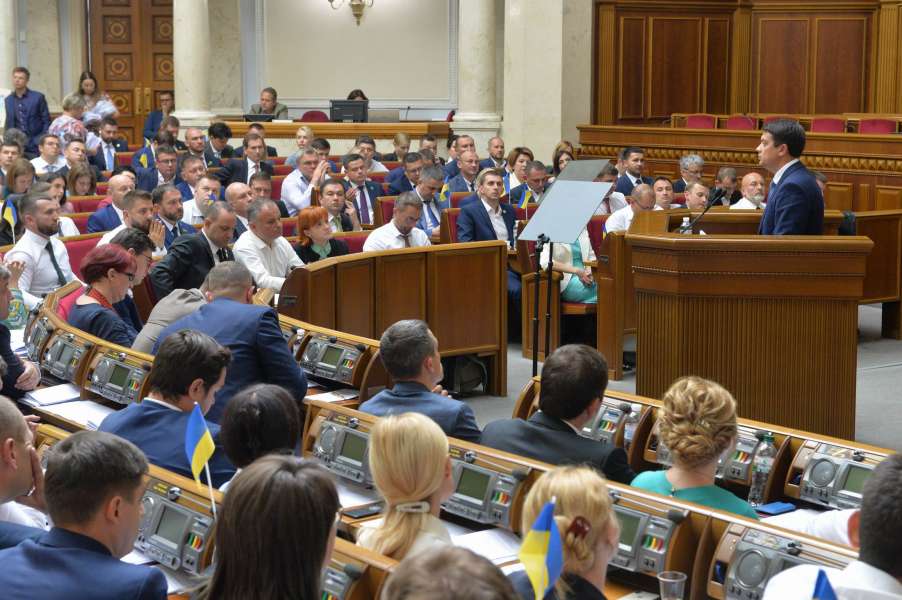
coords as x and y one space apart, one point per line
191 56
8 50
477 113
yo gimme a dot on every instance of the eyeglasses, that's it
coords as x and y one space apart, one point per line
131 276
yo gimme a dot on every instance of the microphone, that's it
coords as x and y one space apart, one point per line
716 196
407 112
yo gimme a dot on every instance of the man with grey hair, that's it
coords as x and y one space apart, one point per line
725 186
262 248
428 188
401 231
18 376
691 166
409 351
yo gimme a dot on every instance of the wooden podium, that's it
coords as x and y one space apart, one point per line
772 319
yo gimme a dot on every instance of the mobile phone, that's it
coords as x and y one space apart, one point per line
361 512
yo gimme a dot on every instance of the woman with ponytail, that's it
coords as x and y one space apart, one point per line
588 526
412 470
697 424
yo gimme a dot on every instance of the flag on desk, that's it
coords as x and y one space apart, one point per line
822 588
525 198
10 214
541 552
199 446
444 195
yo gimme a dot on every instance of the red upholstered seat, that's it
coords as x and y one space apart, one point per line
124 158
386 208
314 116
277 187
78 247
391 164
772 118
102 188
456 198
279 160
354 240
65 304
134 147
828 125
595 228
741 122
289 227
85 203
282 169
451 216
701 121
377 177
81 221
877 126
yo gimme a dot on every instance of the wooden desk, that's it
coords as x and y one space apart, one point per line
865 171
772 319
384 131
459 289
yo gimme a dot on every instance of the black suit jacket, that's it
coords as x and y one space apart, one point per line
99 160
306 254
227 152
185 266
551 440
236 170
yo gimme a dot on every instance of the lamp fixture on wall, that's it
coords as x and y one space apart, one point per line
357 7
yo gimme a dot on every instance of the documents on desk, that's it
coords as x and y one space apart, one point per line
498 545
17 340
336 395
87 413
55 394
350 495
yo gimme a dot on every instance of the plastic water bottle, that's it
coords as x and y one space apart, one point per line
762 465
686 227
629 426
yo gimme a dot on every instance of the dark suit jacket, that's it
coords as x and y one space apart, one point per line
394 174
270 151
99 160
454 417
210 159
795 206
185 266
336 248
13 534
373 191
459 184
148 179
227 152
551 440
185 190
239 229
516 195
104 219
184 229
14 366
488 163
150 160
451 169
679 186
399 186
259 351
152 427
37 117
152 124
625 184
474 224
62 564
236 170
64 171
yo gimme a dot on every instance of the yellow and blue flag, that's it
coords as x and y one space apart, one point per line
541 552
525 198
10 214
199 446
822 588
443 195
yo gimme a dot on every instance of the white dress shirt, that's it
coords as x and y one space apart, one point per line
191 213
434 533
67 228
497 219
621 219
616 200
388 237
39 276
296 192
747 204
268 264
42 166
377 167
107 237
858 581
252 169
213 248
13 512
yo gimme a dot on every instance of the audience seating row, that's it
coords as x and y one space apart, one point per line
852 122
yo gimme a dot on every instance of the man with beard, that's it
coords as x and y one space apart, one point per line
45 257
752 192
137 212
167 206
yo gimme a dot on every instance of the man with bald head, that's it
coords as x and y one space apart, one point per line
642 198
752 188
194 140
696 196
465 181
109 217
239 196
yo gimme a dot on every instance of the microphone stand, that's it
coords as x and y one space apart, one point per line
541 240
711 202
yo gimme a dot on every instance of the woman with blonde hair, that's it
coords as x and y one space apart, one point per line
302 137
408 457
697 424
590 532
401 143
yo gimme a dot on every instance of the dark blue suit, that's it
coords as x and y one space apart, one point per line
148 179
453 416
373 191
795 206
145 151
184 229
13 534
489 163
152 124
394 174
399 186
62 564
474 225
33 120
152 427
239 229
14 366
451 169
625 185
259 351
459 184
104 219
99 159
185 189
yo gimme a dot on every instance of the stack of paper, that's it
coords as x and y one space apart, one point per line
498 545
335 396
87 413
55 394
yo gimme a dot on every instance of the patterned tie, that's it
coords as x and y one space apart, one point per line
364 207
60 278
222 254
406 237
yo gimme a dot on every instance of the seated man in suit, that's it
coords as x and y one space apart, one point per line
642 198
496 159
725 180
323 148
430 142
428 188
262 248
251 162
409 351
191 169
239 196
194 140
110 216
250 331
532 189
207 191
110 143
465 180
691 166
191 257
261 187
795 204
75 153
20 470
413 166
155 117
258 129
613 201
168 210
697 195
137 212
574 379
269 105
45 256
172 125
342 212
165 171
401 231
49 159
460 144
633 161
752 192
366 147
358 189
94 486
217 144
146 156
163 415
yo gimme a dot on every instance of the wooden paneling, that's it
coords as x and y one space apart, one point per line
839 65
397 302
631 63
354 279
717 65
675 64
781 65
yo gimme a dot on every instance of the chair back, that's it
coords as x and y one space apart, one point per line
77 247
457 197
289 226
377 177
102 188
314 116
701 121
124 159
277 187
742 123
877 126
81 221
277 161
85 203
448 226
828 125
282 169
385 209
65 303
354 240
595 228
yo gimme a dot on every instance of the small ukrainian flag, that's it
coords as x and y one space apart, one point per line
541 552
822 588
143 160
525 198
10 214
443 195
199 446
